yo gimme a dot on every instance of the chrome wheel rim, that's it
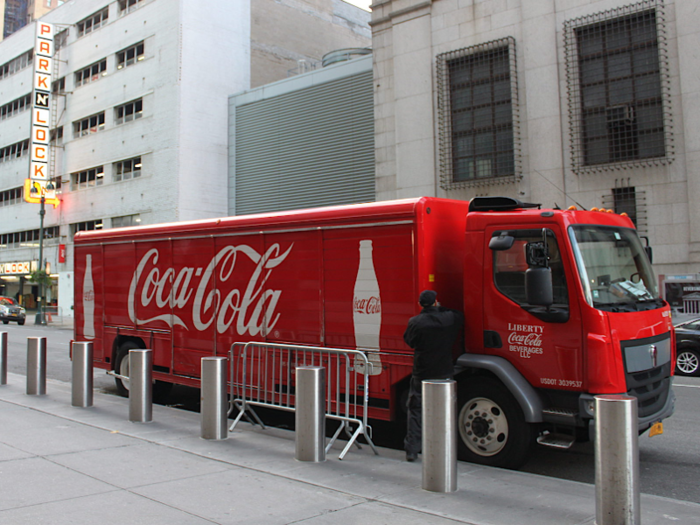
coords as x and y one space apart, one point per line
483 426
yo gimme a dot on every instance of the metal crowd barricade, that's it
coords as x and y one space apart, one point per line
262 374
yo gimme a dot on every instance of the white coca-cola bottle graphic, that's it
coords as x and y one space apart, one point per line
88 301
367 307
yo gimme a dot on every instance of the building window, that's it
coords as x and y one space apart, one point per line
91 73
129 111
625 198
127 6
126 220
28 237
85 226
59 86
15 107
618 88
478 104
130 55
13 196
14 151
87 178
88 125
127 169
16 64
61 39
92 22
56 136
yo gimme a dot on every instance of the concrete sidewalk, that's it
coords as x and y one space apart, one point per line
60 464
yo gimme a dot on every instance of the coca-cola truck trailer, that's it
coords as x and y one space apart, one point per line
560 305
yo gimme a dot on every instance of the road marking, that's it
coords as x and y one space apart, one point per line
688 386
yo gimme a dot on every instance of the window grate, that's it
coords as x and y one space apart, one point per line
618 88
479 128
624 198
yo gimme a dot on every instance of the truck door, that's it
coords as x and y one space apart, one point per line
544 343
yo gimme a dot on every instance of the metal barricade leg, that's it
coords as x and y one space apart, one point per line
616 460
439 437
3 358
36 366
140 386
310 414
214 405
81 385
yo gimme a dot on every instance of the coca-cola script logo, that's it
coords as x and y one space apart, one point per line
525 339
252 308
368 306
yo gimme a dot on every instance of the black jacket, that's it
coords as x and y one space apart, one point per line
432 333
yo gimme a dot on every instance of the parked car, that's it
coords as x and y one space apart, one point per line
688 348
11 311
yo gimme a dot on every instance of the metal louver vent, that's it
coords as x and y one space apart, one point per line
312 147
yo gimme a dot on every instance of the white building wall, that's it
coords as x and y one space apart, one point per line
196 55
408 35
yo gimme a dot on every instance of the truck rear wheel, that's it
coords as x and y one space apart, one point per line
492 427
161 389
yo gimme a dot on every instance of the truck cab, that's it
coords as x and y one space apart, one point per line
566 307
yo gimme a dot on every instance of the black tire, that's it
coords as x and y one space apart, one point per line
20 322
161 389
4 321
492 427
688 362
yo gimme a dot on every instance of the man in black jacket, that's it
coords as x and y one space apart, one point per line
431 334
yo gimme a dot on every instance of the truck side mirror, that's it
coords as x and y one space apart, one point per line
501 243
538 286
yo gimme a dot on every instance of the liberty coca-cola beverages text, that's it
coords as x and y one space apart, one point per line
252 308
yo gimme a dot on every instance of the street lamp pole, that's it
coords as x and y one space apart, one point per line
42 211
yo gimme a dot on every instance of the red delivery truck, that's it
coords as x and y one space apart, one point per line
560 305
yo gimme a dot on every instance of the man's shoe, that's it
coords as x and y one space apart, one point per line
411 457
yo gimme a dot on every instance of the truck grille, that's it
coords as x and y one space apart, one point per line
651 388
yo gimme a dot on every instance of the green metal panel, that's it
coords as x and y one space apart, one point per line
311 147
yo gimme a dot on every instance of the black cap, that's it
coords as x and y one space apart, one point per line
427 298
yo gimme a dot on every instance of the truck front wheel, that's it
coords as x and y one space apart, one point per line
492 427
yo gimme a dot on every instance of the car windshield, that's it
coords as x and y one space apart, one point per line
614 269
6 301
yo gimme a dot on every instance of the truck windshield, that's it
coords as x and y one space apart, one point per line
614 269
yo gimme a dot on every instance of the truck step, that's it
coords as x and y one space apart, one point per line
566 416
549 439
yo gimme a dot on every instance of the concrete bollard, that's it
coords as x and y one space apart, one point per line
81 383
214 405
140 386
310 414
439 436
36 366
3 358
616 460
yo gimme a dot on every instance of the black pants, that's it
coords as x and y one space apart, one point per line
412 444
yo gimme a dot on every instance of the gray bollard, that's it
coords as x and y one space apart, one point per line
214 405
310 414
81 384
616 460
140 386
3 358
36 366
439 436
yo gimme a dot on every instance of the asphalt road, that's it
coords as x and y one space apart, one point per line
669 463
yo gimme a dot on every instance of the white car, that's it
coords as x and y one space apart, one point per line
11 311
